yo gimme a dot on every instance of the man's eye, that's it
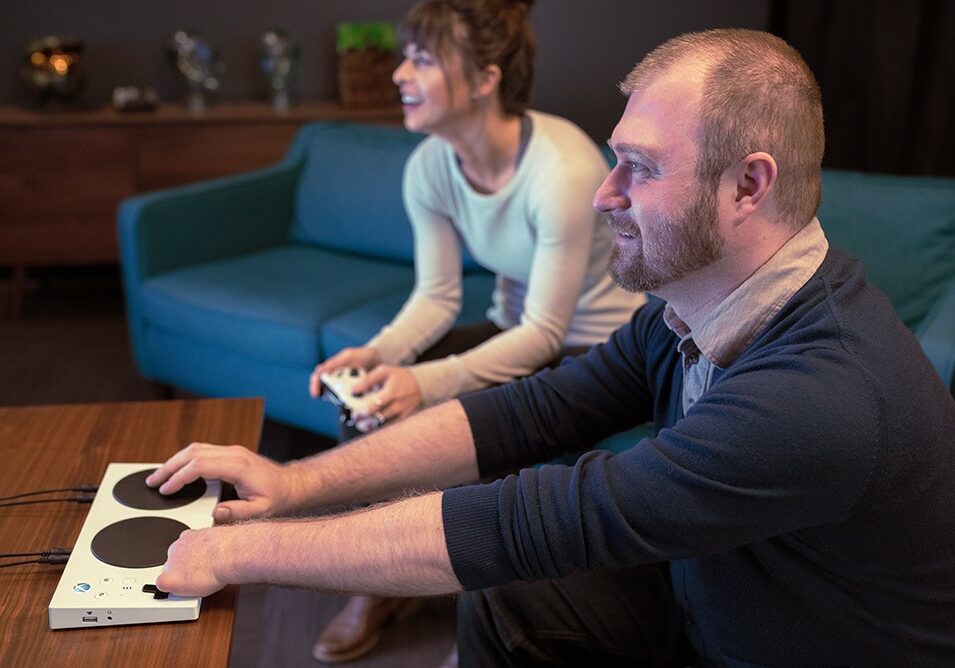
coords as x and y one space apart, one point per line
637 168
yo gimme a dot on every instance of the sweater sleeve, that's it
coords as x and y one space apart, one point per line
435 302
566 409
557 205
740 467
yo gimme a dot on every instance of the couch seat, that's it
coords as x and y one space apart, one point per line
263 304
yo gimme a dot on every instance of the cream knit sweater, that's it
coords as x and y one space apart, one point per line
541 237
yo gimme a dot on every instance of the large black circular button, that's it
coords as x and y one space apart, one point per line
139 542
132 491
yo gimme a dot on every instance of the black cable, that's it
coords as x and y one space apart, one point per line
80 488
78 499
48 559
44 553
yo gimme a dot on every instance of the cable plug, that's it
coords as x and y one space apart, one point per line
53 559
57 550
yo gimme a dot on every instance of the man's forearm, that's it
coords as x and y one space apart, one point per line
397 549
430 450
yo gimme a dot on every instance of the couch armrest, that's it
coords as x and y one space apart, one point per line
936 333
206 221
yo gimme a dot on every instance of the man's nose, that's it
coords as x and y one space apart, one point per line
609 197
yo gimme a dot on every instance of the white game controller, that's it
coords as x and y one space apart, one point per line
338 385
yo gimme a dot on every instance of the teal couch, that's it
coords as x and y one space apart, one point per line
238 286
903 229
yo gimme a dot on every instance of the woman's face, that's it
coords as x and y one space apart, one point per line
435 99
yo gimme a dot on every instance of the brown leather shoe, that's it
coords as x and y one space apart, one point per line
357 628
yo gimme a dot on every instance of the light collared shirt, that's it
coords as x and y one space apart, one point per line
733 325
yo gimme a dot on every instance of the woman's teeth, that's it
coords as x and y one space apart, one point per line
410 99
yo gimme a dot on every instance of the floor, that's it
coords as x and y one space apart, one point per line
70 346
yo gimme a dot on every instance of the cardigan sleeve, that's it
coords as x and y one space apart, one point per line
433 306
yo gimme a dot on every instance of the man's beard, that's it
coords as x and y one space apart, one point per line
681 243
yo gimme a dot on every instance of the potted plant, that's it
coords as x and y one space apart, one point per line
366 58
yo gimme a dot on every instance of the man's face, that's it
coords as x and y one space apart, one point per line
665 245
666 220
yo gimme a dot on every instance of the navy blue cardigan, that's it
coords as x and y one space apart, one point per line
806 502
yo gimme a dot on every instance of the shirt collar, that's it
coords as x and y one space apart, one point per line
730 328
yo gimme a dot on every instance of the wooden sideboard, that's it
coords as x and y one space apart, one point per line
62 174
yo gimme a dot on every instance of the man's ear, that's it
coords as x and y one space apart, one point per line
486 81
755 178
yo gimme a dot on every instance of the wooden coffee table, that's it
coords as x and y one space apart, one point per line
47 447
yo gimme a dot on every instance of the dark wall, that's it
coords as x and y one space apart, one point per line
887 74
585 47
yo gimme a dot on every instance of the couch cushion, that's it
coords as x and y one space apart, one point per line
357 325
902 228
349 195
264 304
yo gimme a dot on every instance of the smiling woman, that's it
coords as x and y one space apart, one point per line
512 187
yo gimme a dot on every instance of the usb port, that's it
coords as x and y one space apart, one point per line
90 619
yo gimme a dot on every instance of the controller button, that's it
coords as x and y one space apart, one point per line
155 591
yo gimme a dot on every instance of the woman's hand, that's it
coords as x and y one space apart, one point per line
364 357
397 395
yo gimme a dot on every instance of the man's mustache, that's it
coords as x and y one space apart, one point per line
622 223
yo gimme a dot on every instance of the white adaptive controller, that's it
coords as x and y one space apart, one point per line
338 386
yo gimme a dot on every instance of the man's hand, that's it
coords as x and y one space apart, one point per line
194 563
264 487
362 358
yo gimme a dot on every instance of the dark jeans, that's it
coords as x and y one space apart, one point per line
613 617
459 340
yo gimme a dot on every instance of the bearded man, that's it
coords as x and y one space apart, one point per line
796 505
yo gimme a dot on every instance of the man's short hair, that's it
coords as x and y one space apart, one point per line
758 95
